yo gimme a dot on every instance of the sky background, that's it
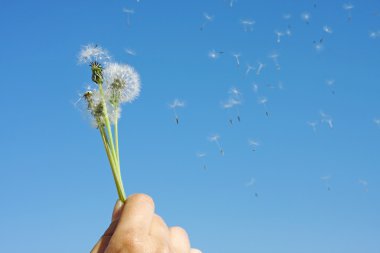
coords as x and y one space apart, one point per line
56 187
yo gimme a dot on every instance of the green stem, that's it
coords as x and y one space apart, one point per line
117 139
107 121
114 167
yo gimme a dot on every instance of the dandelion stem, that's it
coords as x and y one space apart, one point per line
114 167
117 139
107 121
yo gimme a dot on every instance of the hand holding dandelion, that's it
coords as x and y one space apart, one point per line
116 84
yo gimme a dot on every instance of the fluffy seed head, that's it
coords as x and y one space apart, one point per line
122 83
91 53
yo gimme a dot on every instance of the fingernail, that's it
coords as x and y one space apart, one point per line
117 209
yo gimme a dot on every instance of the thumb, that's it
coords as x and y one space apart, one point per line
117 210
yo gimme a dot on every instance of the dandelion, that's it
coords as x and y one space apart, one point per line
202 157
247 24
93 53
129 12
263 101
214 54
326 180
348 7
215 138
208 18
253 144
274 57
116 84
176 104
327 29
306 17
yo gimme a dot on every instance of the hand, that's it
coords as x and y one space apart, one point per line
135 228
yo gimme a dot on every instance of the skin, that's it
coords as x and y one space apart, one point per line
135 228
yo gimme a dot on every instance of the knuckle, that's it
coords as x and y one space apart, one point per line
133 242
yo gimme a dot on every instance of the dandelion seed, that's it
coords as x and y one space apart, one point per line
364 184
202 157
279 35
130 52
255 87
253 144
237 58
326 180
330 83
287 16
274 57
208 18
251 182
326 119
247 24
313 125
249 69
327 29
174 105
263 101
93 53
280 85
232 2
318 45
129 12
306 17
215 138
377 121
232 102
259 68
348 7
374 34
214 54
121 82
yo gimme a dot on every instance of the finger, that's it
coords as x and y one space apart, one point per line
159 229
101 245
179 240
137 215
117 210
195 251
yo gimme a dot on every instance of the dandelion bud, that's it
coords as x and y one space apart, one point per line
97 72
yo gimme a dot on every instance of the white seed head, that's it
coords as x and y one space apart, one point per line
126 77
90 53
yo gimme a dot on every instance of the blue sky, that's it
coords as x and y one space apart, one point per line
56 187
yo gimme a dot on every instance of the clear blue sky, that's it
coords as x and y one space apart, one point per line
56 187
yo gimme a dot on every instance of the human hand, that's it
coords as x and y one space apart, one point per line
135 228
